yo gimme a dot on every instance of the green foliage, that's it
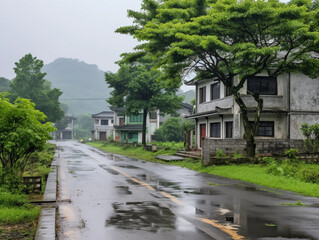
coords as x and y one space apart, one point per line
15 208
170 145
228 40
4 84
136 88
22 133
237 155
30 83
220 153
83 125
9 199
292 153
299 204
311 134
291 167
171 130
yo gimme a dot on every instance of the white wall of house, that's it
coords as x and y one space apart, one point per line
298 95
103 125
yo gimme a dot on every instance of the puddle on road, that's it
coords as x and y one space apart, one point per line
127 166
106 168
123 190
147 216
201 191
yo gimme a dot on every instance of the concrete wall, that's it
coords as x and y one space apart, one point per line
304 93
210 146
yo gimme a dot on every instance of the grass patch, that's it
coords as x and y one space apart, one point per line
299 204
253 173
130 150
18 218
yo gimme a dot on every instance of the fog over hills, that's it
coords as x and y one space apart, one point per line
83 85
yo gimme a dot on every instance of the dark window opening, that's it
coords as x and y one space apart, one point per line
104 122
229 129
136 118
266 129
153 115
215 130
202 95
263 85
228 89
215 91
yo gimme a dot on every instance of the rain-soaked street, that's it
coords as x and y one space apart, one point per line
105 196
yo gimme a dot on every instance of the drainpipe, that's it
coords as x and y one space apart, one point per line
206 126
222 134
288 117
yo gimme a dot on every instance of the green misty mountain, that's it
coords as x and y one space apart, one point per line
83 85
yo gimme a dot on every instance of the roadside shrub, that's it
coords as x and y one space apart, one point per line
170 131
310 175
311 134
8 199
237 155
292 153
220 153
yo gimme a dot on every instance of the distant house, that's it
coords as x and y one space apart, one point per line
103 125
289 100
67 132
128 128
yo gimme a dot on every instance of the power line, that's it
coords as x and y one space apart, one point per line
79 99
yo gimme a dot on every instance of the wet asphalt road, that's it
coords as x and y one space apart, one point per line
102 196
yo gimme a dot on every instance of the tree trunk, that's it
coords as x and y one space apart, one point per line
250 129
145 111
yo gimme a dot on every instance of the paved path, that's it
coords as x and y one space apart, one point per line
117 197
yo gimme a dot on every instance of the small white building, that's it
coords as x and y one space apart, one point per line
103 125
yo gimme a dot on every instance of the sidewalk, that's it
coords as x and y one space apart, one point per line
46 224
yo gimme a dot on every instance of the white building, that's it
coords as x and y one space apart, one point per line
289 101
103 125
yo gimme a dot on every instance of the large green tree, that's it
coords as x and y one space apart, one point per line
136 88
30 83
23 131
227 40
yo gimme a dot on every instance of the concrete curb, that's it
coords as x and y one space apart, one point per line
46 223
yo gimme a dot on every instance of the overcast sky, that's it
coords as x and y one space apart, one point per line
49 29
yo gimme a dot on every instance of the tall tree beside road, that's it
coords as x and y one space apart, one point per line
229 40
23 131
30 83
136 88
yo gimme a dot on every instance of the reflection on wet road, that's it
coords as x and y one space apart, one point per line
117 197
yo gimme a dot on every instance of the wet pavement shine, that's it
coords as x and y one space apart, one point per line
105 196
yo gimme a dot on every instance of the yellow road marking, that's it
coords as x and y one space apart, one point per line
143 184
230 232
234 235
172 198
119 171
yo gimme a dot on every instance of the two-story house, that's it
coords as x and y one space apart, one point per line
128 128
103 125
289 101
